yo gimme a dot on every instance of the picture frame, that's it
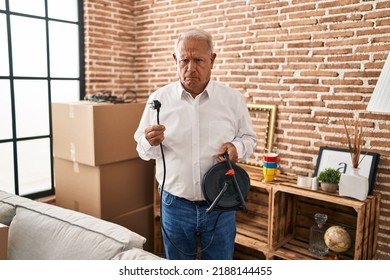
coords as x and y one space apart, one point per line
263 118
340 159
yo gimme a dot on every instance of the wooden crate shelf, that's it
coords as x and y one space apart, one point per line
280 215
252 227
293 212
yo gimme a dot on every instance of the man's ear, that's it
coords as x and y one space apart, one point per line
213 56
174 57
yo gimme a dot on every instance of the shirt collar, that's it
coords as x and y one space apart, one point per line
206 93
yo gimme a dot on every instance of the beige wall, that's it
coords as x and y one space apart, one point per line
317 60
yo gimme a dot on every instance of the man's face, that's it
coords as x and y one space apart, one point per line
194 65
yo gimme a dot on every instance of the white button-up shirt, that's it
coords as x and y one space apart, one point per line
196 128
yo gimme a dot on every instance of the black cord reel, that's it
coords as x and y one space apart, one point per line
225 186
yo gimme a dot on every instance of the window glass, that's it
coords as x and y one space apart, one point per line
31 103
4 63
5 111
31 7
34 33
28 47
65 91
34 165
7 168
64 50
63 9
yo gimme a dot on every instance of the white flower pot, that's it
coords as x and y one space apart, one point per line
354 185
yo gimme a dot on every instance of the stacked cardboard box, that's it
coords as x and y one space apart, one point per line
97 168
3 241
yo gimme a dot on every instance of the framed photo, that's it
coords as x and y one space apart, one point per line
340 159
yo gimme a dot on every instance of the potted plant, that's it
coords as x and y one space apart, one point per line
329 179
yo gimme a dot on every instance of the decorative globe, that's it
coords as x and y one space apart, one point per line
337 239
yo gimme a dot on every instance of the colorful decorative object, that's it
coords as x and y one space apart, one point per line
270 166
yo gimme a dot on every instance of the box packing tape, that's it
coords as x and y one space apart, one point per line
76 168
71 111
72 151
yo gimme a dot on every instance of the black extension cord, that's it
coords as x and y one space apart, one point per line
156 105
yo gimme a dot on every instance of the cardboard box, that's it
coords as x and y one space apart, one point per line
94 133
3 241
104 191
139 221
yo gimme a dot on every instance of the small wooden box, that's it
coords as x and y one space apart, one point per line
293 216
252 227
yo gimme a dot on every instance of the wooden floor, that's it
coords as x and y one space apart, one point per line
48 199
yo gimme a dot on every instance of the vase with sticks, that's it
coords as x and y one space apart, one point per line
353 184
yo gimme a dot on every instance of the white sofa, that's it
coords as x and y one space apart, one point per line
40 231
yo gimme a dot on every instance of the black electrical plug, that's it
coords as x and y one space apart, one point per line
155 105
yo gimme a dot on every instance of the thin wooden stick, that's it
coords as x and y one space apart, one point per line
355 143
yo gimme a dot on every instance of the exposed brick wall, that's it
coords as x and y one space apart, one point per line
318 60
109 46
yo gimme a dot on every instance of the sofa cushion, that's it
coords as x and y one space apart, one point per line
8 202
37 235
12 198
4 194
136 254
7 213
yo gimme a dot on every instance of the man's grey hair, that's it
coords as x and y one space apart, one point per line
195 33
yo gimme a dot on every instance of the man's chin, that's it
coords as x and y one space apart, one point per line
192 86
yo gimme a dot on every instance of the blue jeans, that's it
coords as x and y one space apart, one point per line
185 224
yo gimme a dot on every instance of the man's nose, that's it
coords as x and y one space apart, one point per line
191 66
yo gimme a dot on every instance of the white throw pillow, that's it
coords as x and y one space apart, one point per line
136 254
